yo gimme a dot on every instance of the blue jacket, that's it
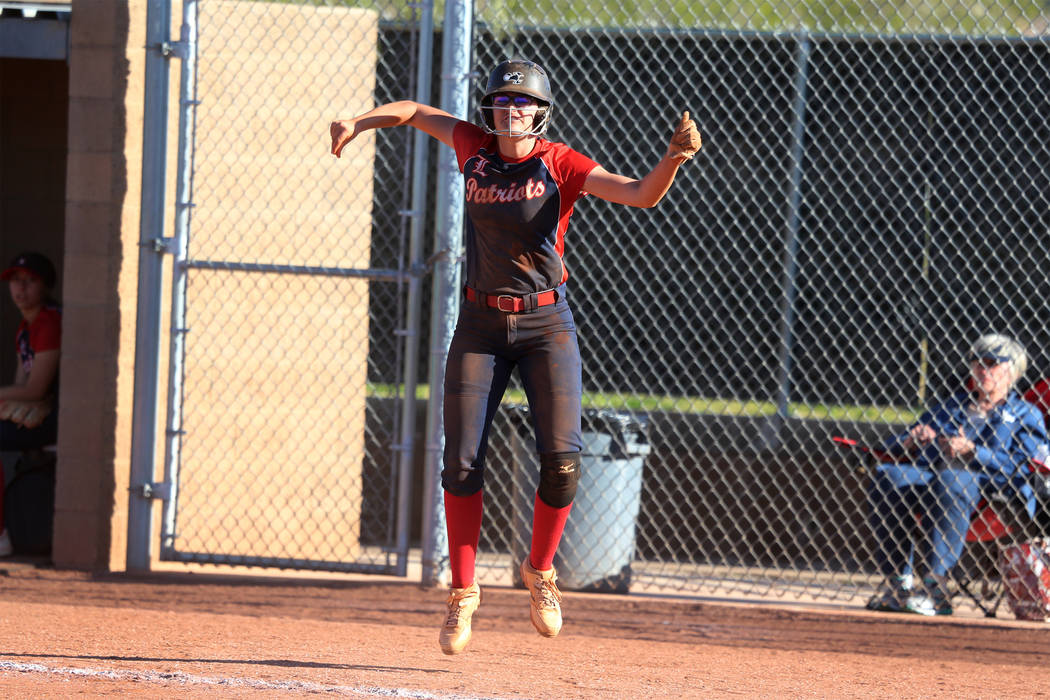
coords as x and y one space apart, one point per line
1013 433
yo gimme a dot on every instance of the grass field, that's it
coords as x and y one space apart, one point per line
701 405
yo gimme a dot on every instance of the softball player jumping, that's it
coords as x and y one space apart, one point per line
520 192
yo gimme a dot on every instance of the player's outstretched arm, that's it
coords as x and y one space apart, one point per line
647 192
430 120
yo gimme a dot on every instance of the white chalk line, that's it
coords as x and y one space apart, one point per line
180 678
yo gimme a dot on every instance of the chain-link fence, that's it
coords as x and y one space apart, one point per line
871 197
288 388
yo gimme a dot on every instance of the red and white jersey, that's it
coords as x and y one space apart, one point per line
517 211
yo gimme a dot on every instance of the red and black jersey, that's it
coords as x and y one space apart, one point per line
44 333
517 211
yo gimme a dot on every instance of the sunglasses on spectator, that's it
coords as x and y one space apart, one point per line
517 101
988 361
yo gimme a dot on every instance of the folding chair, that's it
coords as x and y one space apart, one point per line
986 527
987 524
989 527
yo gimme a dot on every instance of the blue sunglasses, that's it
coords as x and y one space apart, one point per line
518 101
989 360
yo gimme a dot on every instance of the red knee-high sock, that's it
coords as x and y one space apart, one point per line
463 523
547 526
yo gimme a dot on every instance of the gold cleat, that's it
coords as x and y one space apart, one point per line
544 599
462 603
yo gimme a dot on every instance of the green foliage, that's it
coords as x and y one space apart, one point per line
955 17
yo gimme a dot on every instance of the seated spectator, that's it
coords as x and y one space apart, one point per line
972 445
28 415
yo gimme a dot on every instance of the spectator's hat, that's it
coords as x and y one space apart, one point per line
33 263
997 352
997 348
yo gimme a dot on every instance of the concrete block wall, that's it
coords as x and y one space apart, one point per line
103 184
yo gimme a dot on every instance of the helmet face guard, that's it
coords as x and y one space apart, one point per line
522 77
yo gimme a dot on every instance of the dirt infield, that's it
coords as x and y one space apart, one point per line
67 634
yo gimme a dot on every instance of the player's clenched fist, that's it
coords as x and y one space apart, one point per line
685 141
343 132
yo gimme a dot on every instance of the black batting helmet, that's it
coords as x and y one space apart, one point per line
518 75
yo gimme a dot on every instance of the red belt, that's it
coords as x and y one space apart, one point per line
511 304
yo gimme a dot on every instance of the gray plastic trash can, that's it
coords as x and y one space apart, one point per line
597 547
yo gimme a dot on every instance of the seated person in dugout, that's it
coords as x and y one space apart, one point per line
28 414
973 445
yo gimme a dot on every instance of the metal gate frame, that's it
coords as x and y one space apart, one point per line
154 247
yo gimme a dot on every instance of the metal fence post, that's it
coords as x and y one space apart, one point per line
420 151
180 249
151 247
455 91
787 314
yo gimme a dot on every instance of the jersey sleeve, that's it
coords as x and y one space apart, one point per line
467 139
46 334
571 169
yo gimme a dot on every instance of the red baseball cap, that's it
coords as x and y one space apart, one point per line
33 263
